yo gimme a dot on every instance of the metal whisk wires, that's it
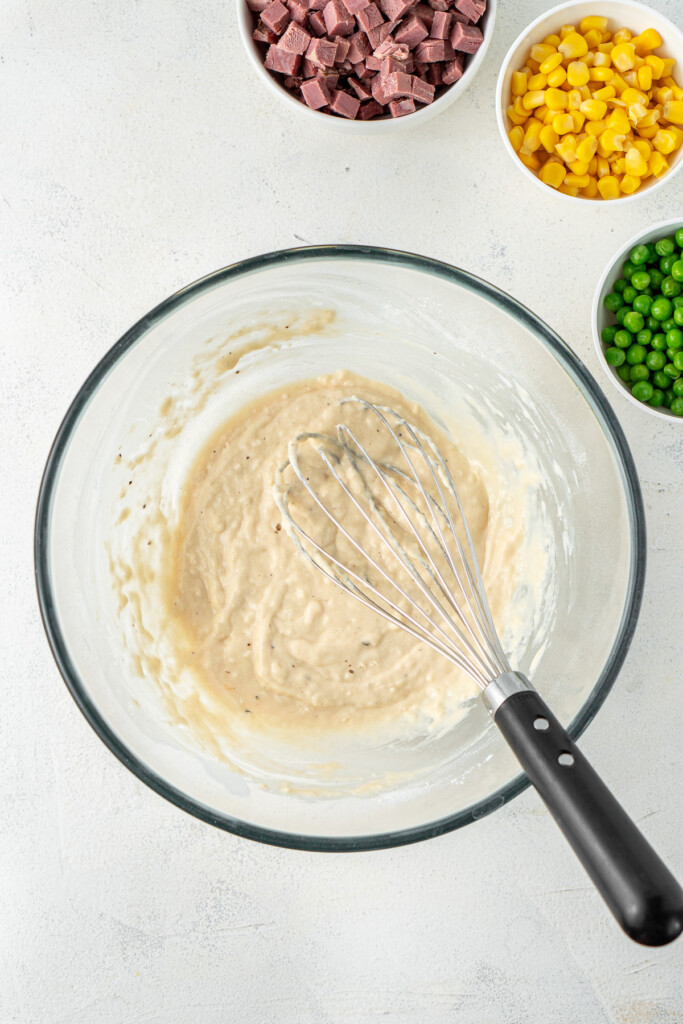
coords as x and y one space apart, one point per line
413 566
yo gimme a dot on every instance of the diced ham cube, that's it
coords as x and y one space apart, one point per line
466 38
362 72
411 32
421 69
354 6
423 92
472 9
369 110
345 104
316 5
322 53
434 73
298 10
316 23
330 77
398 108
453 69
395 9
373 63
434 49
425 14
343 47
359 47
457 16
282 61
308 70
263 34
391 87
441 25
338 21
369 18
315 93
390 65
275 16
257 5
294 39
388 48
362 91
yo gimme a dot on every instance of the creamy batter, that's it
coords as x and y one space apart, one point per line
267 642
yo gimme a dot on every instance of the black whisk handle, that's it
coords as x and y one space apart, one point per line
636 885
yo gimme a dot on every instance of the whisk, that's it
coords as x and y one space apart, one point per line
416 565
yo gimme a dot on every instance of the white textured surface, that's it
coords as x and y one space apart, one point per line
137 156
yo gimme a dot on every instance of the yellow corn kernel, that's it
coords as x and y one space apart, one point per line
577 167
648 40
664 141
657 65
584 92
541 51
619 122
658 165
651 117
595 128
631 78
644 148
606 40
673 111
530 160
566 149
516 137
648 133
552 174
603 167
565 31
533 99
610 142
518 85
574 99
591 189
634 163
593 38
563 124
578 118
677 134
664 94
550 63
605 47
592 21
586 150
540 113
532 66
669 64
588 58
618 165
630 96
606 93
552 40
573 45
557 77
608 187
622 35
601 60
549 138
532 139
601 74
549 115
577 180
619 84
577 73
645 78
674 86
537 82
624 56
593 166
629 184
517 119
594 110
568 190
555 99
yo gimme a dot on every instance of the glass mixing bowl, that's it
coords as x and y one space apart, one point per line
459 346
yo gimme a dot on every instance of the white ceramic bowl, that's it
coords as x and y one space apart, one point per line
621 13
601 317
382 125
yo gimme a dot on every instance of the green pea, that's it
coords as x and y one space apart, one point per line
652 254
644 337
678 360
627 270
661 309
629 293
677 301
668 398
657 398
622 339
639 372
656 277
636 354
613 302
633 322
664 247
639 280
677 387
678 316
677 271
643 391
607 334
679 238
652 323
625 373
668 325
659 342
677 407
667 263
655 360
674 338
621 313
670 288
639 254
670 370
642 304
661 380
620 284
615 356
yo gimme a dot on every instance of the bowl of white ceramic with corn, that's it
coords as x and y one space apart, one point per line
589 101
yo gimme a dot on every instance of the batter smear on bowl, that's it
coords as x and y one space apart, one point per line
269 641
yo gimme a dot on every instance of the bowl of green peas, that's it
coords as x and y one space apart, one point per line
638 320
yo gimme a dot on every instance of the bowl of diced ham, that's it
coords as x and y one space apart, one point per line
364 65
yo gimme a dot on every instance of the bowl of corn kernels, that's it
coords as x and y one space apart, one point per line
638 319
590 100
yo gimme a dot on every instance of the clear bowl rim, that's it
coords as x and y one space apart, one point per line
76 686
